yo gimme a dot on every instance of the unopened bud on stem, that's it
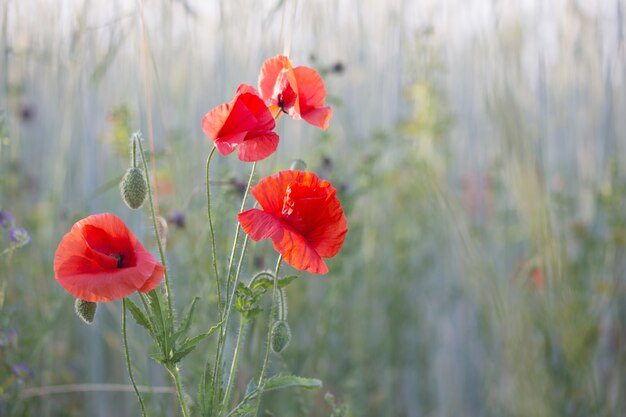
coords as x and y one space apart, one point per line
281 336
86 310
134 188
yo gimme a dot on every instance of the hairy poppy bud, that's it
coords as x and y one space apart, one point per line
281 336
298 165
134 188
86 310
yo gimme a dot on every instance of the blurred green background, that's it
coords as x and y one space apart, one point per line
478 149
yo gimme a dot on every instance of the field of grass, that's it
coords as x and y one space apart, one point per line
479 152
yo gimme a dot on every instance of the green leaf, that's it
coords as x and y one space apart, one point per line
205 391
267 283
139 317
190 344
157 312
186 322
291 381
157 356
209 395
283 282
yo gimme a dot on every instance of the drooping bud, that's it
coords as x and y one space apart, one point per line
86 310
134 188
298 165
281 336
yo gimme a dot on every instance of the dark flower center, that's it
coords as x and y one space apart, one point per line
120 259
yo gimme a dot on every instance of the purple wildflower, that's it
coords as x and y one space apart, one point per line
177 218
6 219
19 235
22 370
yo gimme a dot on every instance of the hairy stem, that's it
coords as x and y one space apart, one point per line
156 228
230 291
179 389
233 365
269 334
128 361
213 251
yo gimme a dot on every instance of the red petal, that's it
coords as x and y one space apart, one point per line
294 248
329 234
226 145
260 225
318 117
258 147
298 253
104 286
270 70
270 191
311 96
213 121
311 89
154 279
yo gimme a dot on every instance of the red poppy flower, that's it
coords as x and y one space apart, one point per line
302 216
101 260
298 91
246 123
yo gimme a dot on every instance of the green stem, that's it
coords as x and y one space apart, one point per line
269 334
179 389
222 337
128 362
233 366
243 206
210 216
154 224
145 306
134 154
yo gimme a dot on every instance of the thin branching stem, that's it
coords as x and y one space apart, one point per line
128 361
269 333
154 224
233 365
179 389
213 250
230 291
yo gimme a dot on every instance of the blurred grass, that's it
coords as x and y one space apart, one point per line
478 152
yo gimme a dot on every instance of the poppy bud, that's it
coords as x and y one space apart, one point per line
86 310
281 336
298 165
134 188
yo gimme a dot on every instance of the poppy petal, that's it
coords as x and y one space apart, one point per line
213 121
258 147
297 252
318 117
270 70
227 144
260 225
155 278
270 191
311 89
291 245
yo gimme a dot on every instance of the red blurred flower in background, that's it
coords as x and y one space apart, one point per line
302 216
101 260
298 91
246 123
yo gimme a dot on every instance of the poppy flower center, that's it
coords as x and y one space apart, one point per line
120 259
284 94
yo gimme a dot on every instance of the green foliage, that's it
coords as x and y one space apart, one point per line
249 296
